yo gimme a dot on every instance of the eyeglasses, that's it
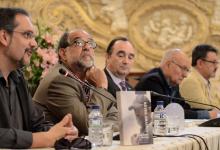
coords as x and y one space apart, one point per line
184 69
82 43
26 34
212 62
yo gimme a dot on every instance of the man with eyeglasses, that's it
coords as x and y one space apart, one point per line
58 94
22 125
165 79
197 85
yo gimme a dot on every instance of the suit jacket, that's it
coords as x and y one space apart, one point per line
154 80
59 95
112 86
195 88
33 119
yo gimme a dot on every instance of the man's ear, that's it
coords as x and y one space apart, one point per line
168 64
62 53
4 38
199 63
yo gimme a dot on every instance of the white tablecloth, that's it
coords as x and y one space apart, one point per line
210 134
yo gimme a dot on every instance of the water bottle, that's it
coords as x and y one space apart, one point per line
159 120
95 126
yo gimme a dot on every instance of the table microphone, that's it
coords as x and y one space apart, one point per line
210 123
70 75
182 99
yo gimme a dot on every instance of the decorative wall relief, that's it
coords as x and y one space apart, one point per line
153 26
161 25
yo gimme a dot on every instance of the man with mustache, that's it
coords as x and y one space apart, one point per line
58 95
120 56
197 85
22 125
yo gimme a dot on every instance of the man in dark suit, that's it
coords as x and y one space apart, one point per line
119 60
165 80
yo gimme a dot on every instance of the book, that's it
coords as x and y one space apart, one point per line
135 117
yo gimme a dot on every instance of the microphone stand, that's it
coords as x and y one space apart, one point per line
182 99
68 74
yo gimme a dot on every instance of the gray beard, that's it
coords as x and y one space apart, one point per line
86 65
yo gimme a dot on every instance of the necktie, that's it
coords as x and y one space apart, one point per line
123 85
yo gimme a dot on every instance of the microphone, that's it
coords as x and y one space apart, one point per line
210 123
70 75
182 99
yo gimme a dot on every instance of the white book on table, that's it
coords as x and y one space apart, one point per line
135 117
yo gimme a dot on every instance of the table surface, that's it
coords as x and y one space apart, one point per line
211 135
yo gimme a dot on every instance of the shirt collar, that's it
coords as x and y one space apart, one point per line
206 82
14 75
114 78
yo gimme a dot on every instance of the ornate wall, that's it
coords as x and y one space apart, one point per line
152 25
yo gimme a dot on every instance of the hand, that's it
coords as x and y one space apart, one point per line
213 113
64 129
97 77
74 131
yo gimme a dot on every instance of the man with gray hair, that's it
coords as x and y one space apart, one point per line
58 95
165 80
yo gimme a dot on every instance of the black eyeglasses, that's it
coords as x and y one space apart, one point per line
26 34
212 62
82 43
185 69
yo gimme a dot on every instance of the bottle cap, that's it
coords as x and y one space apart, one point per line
159 102
95 107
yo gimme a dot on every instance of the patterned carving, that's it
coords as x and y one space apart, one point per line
152 25
161 25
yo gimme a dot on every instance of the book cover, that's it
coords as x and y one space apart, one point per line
135 117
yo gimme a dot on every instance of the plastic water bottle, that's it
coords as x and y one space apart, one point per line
159 120
95 126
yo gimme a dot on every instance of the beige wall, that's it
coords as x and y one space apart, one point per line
153 26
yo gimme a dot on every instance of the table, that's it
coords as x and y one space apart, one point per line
210 134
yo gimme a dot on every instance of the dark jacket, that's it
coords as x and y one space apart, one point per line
154 80
112 87
33 119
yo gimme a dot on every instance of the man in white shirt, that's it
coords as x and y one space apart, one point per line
120 56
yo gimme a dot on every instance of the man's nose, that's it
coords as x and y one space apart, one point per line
33 43
126 60
88 48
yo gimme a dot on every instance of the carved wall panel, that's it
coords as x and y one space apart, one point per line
153 26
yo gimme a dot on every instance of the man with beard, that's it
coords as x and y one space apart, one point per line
119 60
197 85
59 95
21 124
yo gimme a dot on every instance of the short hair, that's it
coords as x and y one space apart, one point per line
200 52
113 41
63 43
7 18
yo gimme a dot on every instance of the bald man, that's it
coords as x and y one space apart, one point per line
165 80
